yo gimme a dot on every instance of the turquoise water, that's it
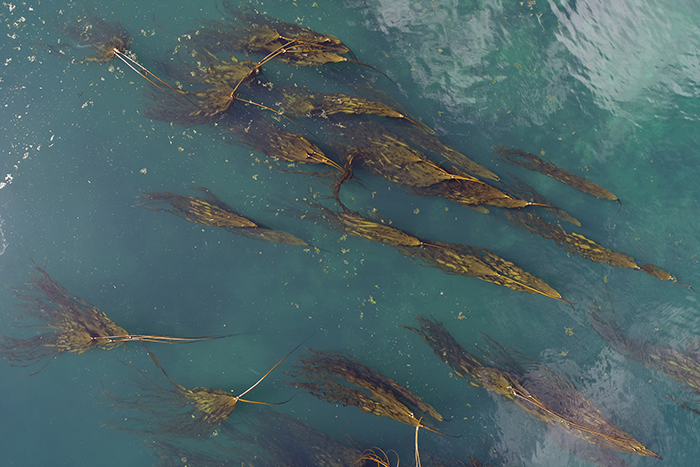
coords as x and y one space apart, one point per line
609 92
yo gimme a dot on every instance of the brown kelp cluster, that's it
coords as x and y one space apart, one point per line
338 378
533 162
214 213
541 393
350 127
183 412
379 151
683 366
578 244
302 102
73 325
105 39
450 258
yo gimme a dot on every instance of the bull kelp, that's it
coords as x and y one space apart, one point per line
534 162
577 244
213 212
541 393
105 39
73 324
278 144
184 412
683 366
338 378
377 150
302 102
246 30
450 258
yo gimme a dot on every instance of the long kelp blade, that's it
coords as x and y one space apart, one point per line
533 162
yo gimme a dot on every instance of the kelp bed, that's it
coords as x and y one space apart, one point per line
360 131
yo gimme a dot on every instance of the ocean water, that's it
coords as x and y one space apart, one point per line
607 90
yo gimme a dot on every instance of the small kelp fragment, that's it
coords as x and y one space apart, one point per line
683 366
541 393
73 324
661 274
524 191
533 162
214 213
97 34
301 102
578 244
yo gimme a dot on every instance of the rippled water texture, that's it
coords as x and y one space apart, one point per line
609 91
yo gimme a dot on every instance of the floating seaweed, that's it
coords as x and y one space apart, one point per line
184 412
533 162
275 143
103 37
578 244
381 152
324 374
541 393
246 30
73 324
302 102
454 259
683 366
213 212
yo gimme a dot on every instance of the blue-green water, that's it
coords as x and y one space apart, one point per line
608 90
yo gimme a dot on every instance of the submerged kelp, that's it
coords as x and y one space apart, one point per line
684 366
450 258
325 374
541 393
577 244
102 37
533 162
266 439
270 140
213 212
